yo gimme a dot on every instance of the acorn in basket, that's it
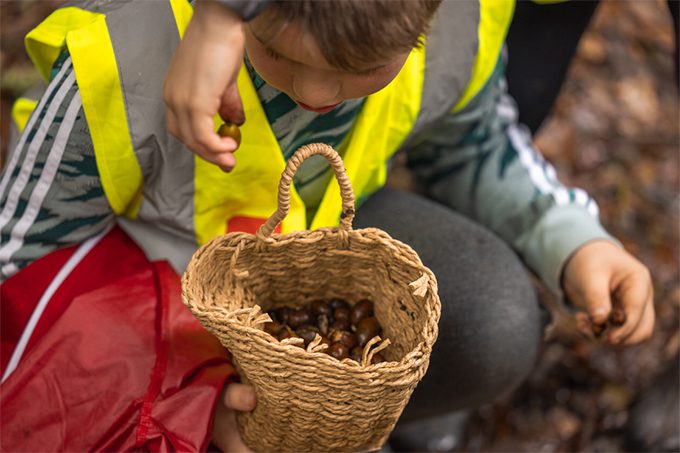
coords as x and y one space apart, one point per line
345 329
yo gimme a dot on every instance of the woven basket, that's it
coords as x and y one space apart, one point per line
306 399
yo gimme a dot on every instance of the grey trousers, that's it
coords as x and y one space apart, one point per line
490 327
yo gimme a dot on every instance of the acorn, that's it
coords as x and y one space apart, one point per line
229 129
273 328
338 303
299 317
617 317
322 323
341 314
361 310
338 350
340 325
355 353
598 329
282 314
320 307
342 337
377 358
286 332
307 333
366 329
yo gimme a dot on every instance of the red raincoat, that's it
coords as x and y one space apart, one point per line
115 361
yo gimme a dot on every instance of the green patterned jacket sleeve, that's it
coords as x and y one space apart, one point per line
482 163
50 192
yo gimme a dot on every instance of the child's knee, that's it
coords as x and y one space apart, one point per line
487 346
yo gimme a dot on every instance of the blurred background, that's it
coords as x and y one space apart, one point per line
613 131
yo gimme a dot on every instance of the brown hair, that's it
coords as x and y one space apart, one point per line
355 34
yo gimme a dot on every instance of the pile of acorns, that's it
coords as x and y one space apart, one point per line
345 329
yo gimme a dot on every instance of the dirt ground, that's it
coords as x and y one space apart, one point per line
613 132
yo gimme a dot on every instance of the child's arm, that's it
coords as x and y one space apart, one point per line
201 80
482 163
50 192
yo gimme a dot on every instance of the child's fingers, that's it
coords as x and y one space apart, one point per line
583 324
645 328
595 299
205 137
240 397
634 295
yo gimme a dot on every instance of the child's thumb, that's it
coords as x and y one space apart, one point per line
239 397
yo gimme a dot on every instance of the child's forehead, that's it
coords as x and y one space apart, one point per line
291 41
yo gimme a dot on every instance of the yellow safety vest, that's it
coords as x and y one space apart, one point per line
248 195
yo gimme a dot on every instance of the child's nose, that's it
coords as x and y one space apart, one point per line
316 88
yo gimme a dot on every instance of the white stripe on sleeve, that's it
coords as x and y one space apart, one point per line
29 126
44 182
32 153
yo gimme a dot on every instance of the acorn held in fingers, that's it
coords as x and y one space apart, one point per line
616 318
230 130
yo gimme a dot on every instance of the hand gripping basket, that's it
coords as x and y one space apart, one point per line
306 399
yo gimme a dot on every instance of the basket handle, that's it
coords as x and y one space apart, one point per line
294 163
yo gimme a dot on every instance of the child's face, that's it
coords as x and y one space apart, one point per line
293 64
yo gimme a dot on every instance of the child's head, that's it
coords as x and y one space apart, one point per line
321 53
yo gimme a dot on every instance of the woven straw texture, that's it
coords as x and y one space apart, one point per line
308 400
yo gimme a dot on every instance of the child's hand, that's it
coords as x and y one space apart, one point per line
601 274
234 397
201 82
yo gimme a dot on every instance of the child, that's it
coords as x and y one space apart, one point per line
352 75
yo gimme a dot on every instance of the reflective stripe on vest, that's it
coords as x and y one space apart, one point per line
21 111
86 36
494 22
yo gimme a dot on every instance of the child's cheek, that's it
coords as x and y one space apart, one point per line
364 85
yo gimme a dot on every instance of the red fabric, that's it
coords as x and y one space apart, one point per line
119 365
247 224
115 256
